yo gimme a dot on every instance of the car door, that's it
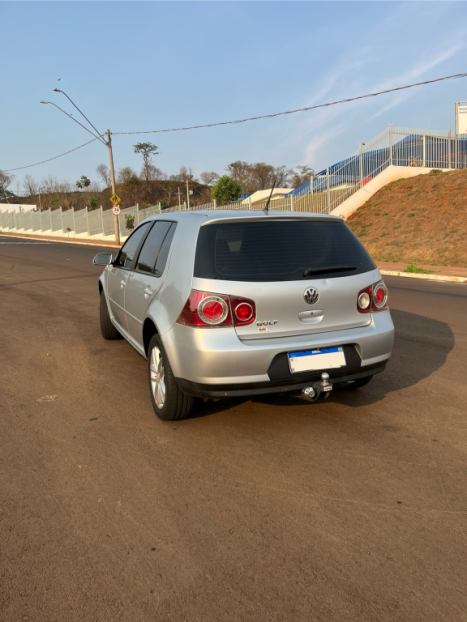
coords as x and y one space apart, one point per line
146 279
118 272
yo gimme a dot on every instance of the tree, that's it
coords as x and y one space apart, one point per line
152 173
226 189
92 203
209 178
301 175
185 174
238 170
147 150
30 185
124 174
103 171
83 182
5 181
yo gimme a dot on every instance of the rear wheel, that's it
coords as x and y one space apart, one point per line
108 330
355 384
168 400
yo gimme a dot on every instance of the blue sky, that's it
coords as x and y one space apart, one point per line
152 65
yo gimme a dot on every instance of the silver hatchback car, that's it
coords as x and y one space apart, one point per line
243 303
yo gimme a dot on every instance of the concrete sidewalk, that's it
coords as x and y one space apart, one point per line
437 270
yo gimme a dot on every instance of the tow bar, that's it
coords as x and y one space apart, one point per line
317 389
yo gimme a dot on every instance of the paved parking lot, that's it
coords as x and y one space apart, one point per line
264 510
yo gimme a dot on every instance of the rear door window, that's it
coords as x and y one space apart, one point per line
279 250
164 252
127 252
152 246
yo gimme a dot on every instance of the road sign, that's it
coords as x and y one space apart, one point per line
115 199
116 210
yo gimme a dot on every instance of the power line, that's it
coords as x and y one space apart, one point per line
19 168
266 116
277 114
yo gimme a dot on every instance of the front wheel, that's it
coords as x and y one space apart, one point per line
168 400
108 330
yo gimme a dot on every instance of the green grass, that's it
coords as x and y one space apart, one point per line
411 215
397 227
413 268
385 214
383 234
377 213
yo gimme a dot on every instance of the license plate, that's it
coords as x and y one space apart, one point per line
316 359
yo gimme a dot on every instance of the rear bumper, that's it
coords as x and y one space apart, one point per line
217 357
290 386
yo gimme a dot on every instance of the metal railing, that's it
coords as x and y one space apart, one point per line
324 192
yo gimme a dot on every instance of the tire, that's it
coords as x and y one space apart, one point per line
108 330
168 400
355 384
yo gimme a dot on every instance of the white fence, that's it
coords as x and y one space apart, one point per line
323 193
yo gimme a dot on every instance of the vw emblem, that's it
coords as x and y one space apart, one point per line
311 295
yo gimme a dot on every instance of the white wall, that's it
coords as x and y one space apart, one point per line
16 207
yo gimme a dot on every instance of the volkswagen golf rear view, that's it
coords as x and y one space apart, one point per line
225 304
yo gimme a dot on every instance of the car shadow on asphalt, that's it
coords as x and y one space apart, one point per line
421 347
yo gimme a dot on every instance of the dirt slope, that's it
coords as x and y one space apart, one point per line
421 219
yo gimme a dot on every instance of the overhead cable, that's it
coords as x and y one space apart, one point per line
8 170
277 114
266 116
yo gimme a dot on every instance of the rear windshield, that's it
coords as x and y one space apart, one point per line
279 250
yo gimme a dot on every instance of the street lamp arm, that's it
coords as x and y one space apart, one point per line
69 115
81 113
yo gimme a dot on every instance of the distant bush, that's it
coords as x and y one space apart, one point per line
435 171
226 189
412 267
130 222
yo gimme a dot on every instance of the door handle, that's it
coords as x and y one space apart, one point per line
147 292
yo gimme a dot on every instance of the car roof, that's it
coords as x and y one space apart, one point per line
226 214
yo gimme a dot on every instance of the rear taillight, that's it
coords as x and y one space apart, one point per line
373 298
207 310
244 311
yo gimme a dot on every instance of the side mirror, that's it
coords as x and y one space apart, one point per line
102 259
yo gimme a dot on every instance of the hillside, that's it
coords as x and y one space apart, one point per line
421 219
143 193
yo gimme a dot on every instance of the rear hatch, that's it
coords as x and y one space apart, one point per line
303 275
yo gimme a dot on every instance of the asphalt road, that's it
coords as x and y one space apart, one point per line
264 510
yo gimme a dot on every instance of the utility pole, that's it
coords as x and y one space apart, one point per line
112 179
187 196
179 204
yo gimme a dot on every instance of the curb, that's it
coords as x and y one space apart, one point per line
430 277
102 243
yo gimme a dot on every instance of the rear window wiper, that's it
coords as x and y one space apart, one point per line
312 271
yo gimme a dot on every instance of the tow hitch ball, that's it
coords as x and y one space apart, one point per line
317 389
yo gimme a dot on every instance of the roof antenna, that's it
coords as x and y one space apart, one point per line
266 209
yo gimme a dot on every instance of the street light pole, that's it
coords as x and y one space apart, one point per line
98 136
187 196
112 179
